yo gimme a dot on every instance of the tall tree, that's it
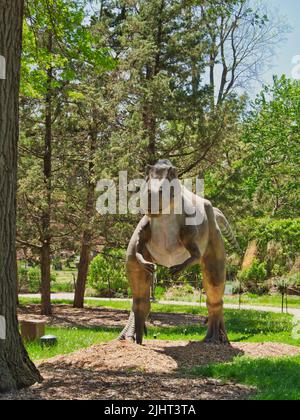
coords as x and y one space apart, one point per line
16 369
272 149
58 44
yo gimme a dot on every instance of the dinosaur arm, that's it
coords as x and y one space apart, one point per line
144 235
194 251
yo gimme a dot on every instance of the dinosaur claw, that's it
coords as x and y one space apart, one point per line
175 271
149 267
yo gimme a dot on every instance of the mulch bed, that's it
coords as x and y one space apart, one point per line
123 370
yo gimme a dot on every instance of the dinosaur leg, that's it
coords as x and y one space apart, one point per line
214 276
140 283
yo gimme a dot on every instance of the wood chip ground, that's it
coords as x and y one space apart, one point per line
122 370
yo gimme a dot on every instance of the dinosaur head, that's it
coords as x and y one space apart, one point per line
161 179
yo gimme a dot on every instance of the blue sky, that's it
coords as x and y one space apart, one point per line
291 47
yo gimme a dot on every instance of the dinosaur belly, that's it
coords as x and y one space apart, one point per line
168 258
165 245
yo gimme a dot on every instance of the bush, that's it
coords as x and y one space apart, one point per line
23 279
254 278
290 283
165 279
277 270
159 292
34 280
30 279
107 274
238 288
180 292
295 279
285 232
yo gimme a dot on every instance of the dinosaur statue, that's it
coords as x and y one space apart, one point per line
167 240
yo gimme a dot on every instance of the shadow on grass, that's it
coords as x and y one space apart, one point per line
275 379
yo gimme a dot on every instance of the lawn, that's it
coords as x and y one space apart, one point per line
65 280
265 300
274 300
274 378
69 340
242 325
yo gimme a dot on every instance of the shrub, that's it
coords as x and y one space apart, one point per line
189 276
180 292
238 288
291 281
23 279
254 278
159 292
295 279
285 232
107 274
57 264
30 279
34 280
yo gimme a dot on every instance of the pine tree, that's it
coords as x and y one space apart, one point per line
16 369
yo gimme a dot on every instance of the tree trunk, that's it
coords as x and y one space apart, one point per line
83 269
150 129
85 253
46 217
46 279
16 369
149 111
17 283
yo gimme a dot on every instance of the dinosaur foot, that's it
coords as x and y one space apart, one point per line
126 338
216 334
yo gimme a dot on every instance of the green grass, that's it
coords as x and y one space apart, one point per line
266 300
69 340
275 379
242 325
247 299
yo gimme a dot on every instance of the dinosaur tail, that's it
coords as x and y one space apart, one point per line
227 231
129 331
